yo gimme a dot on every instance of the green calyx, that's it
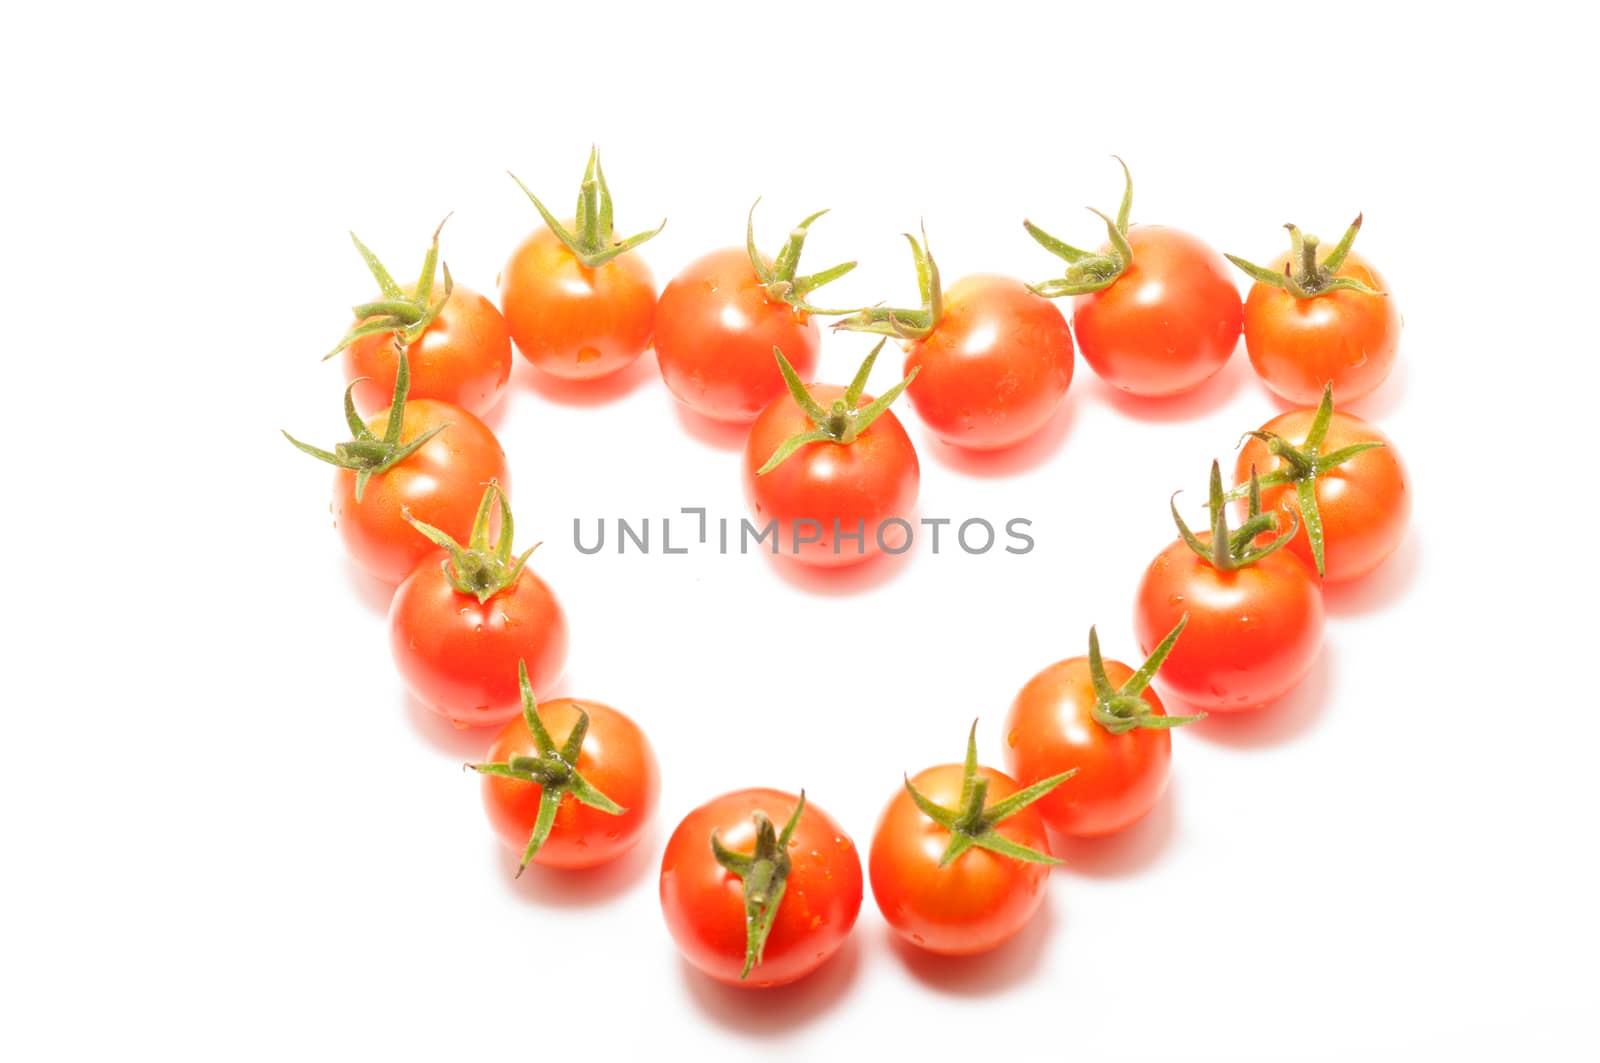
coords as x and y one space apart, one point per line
1089 271
905 324
408 317
972 824
765 874
1303 464
555 770
779 278
367 455
1121 709
841 422
1303 276
1233 549
594 242
481 569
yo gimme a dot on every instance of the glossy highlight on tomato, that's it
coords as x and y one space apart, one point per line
703 902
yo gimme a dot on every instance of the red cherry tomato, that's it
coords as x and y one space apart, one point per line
440 484
1364 502
1116 739
825 494
457 345
1254 630
615 759
1168 324
1155 310
579 306
719 319
978 900
715 330
705 903
571 321
995 367
463 357
1329 331
458 626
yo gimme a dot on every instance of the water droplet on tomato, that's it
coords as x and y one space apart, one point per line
587 355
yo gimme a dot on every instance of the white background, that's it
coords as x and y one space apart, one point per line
227 830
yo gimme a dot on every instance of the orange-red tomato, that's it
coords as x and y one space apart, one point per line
995 367
1364 501
715 328
704 905
441 484
572 321
1051 729
1343 337
832 490
616 759
459 655
1253 632
977 901
1168 323
463 357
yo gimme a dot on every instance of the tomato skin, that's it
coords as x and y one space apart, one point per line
870 480
463 357
1342 337
996 366
1365 502
442 484
1168 324
616 759
459 656
703 902
978 901
1253 632
571 321
1051 729
715 329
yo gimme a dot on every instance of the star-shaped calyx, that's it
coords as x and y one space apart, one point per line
554 769
592 239
764 871
367 454
972 824
842 421
407 316
1089 271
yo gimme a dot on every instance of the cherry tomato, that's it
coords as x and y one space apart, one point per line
1363 502
463 357
604 795
426 458
995 881
459 625
1254 628
719 319
1324 323
439 484
1155 310
857 474
715 911
578 305
993 361
1102 720
995 367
